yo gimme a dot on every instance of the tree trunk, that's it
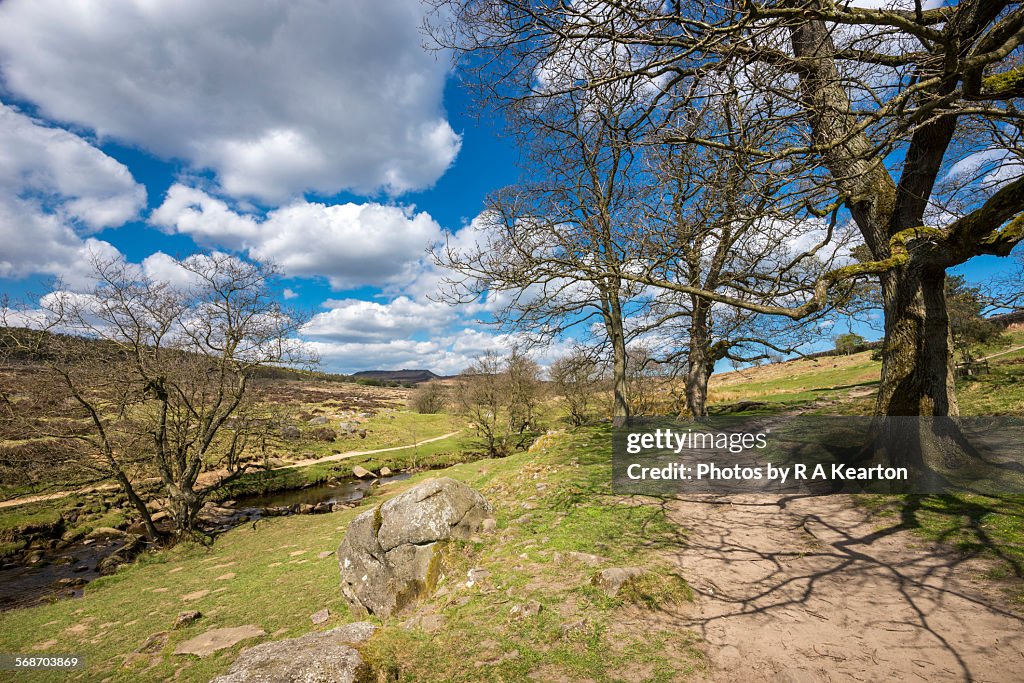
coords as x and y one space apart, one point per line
140 505
620 407
917 365
700 363
185 506
617 337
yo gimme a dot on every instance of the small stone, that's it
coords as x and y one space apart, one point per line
611 580
325 554
385 471
490 525
527 610
574 628
320 617
361 472
185 618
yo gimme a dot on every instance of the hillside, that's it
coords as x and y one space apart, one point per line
403 376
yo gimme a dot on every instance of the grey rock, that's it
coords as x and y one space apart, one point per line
611 580
490 525
290 433
385 471
392 555
526 610
318 420
572 557
326 657
361 472
185 618
320 617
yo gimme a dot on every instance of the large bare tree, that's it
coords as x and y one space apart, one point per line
882 107
151 381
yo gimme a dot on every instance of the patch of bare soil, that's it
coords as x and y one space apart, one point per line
812 589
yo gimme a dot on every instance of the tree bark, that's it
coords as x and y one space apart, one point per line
140 505
917 365
699 361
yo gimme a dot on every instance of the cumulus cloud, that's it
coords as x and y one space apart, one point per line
55 189
350 244
358 320
277 98
447 354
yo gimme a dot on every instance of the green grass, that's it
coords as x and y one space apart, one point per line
19 521
553 499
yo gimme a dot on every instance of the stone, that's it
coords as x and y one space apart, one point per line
305 509
575 628
318 420
105 531
324 554
573 557
391 556
362 433
489 525
185 618
290 433
72 582
154 643
325 434
218 639
385 471
361 472
611 580
322 657
527 610
475 575
320 617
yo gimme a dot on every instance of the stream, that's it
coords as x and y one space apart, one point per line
63 573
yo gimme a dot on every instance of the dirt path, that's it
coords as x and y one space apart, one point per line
811 589
1003 353
302 463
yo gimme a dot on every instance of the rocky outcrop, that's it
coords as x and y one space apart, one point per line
325 657
391 556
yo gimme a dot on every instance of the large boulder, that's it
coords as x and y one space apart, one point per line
324 657
391 556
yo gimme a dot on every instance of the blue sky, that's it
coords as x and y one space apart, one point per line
319 135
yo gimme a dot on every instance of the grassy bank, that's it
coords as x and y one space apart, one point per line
554 499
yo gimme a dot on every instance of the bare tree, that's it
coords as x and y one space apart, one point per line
429 398
577 378
883 107
524 394
155 379
557 242
480 396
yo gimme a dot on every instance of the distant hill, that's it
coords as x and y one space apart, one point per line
403 376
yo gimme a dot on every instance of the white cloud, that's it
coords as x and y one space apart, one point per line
289 293
446 355
276 97
55 188
351 320
350 244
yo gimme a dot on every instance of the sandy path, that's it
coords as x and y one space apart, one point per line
810 589
207 475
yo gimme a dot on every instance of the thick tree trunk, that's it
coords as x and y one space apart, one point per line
620 406
185 506
617 337
917 366
700 363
